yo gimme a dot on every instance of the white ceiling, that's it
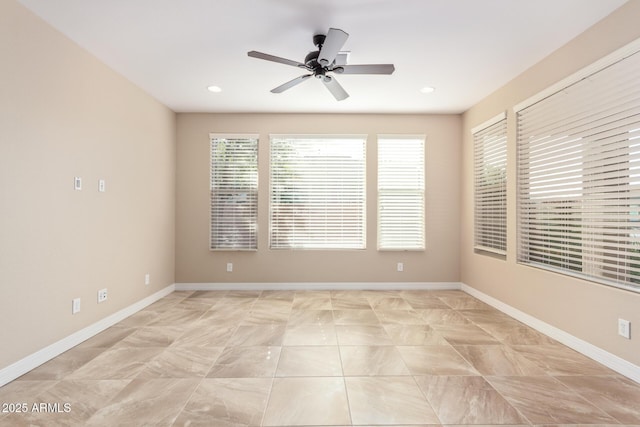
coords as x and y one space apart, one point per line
174 49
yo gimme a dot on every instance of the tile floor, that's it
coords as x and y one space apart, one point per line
322 358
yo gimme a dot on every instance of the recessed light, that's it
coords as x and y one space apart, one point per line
427 89
214 89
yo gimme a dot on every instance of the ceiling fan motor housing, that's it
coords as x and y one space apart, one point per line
311 61
322 62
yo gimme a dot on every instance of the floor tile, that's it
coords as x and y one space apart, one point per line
387 400
249 295
465 335
414 335
347 293
265 316
309 361
514 333
178 317
117 363
272 305
139 319
81 397
463 301
202 334
246 362
24 390
467 400
297 335
208 294
438 316
419 300
236 302
391 303
156 401
198 304
372 360
311 317
307 401
498 360
399 317
64 364
615 395
272 334
405 358
374 296
277 296
312 300
223 313
435 360
545 400
489 317
350 303
151 336
226 402
560 360
355 317
181 362
108 338
362 335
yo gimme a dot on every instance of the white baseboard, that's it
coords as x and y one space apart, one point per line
316 286
609 360
36 359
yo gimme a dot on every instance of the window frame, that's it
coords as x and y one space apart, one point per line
240 191
279 219
384 243
597 250
489 200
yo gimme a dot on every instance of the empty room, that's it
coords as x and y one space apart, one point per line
319 213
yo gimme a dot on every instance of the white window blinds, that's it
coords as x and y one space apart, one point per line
317 192
579 177
401 192
490 186
234 192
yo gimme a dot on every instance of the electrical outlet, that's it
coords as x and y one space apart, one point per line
400 266
75 306
624 328
101 185
77 183
147 279
229 267
102 295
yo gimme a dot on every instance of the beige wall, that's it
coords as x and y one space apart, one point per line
439 263
65 114
584 309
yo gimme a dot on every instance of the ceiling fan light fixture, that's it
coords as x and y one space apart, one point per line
214 89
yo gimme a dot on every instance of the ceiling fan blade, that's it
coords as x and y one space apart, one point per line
267 57
334 87
290 84
332 44
366 69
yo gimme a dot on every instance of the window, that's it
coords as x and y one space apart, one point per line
401 192
234 192
579 175
317 192
490 186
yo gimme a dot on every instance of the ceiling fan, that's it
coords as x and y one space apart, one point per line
323 61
